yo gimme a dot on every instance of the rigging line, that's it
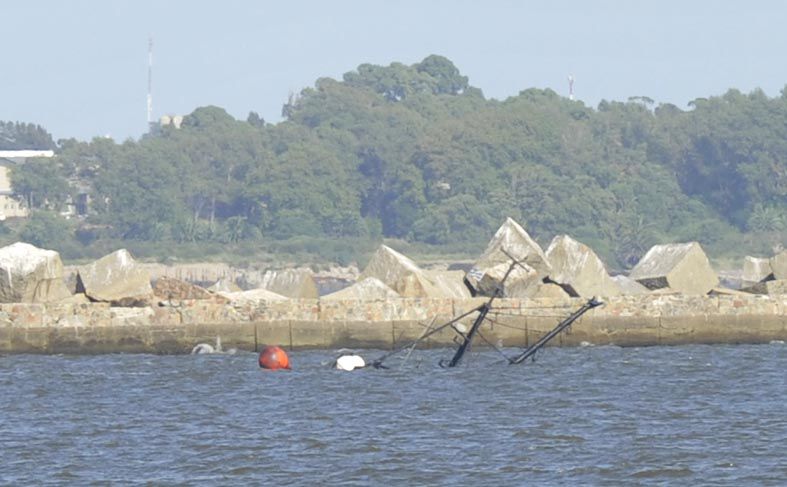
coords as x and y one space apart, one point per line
482 311
426 330
379 361
526 306
530 351
505 325
528 315
494 346
530 307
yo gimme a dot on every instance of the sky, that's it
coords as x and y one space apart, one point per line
79 68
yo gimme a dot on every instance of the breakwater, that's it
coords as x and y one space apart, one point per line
655 319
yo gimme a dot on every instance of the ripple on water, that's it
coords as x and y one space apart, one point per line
593 415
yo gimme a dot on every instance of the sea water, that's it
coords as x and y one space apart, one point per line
687 415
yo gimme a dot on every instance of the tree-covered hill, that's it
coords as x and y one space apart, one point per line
416 153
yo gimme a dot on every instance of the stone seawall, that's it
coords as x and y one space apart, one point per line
297 324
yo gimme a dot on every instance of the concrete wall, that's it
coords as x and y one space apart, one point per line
299 324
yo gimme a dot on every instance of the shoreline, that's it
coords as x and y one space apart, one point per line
656 319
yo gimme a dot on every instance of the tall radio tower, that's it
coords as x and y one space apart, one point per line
570 87
150 80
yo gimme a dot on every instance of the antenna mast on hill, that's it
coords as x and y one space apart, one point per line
570 87
150 80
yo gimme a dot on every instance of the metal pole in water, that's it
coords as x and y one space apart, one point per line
530 351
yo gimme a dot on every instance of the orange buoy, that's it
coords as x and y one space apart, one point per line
273 358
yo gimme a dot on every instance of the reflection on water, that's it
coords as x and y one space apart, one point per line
685 415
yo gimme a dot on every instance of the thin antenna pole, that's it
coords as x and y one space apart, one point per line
150 80
570 87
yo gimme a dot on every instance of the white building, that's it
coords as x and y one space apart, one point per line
12 206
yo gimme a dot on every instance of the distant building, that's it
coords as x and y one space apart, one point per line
174 120
11 205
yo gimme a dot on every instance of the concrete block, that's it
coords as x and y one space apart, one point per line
273 333
358 334
310 334
623 330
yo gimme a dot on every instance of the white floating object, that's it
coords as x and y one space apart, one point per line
350 362
460 327
202 348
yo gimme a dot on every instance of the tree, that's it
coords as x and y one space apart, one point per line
46 229
41 183
19 136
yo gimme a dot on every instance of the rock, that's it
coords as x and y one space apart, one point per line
77 298
30 275
578 270
777 287
548 290
369 289
629 287
253 295
116 279
451 283
731 278
755 270
349 273
400 274
225 285
681 267
292 283
725 291
666 291
194 272
488 271
169 288
779 265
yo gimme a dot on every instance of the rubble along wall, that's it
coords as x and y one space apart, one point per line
298 324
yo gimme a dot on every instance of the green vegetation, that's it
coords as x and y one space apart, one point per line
18 136
415 153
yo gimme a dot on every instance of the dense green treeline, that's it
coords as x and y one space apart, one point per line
416 153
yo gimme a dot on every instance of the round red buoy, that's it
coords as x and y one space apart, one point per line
272 358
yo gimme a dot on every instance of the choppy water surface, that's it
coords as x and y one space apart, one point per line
598 415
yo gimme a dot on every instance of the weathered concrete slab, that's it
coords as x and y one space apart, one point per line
169 288
116 279
682 267
776 287
291 283
310 334
779 265
623 330
629 286
400 274
723 291
623 320
506 331
406 331
369 288
225 285
714 329
253 296
360 334
755 270
578 270
450 283
549 290
30 275
277 333
488 271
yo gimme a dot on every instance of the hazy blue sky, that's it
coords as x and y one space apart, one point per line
79 68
